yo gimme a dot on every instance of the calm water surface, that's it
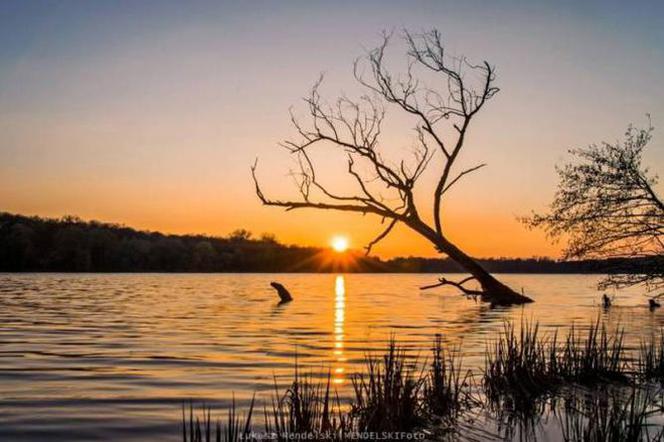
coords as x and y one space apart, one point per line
112 356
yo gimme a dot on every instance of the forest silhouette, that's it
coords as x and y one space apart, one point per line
69 244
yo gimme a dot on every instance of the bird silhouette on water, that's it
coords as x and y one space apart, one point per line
606 301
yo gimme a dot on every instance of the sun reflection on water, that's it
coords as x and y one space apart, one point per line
339 317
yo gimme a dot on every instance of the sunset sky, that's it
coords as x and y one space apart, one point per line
150 113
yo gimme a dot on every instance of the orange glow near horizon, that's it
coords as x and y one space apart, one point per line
479 234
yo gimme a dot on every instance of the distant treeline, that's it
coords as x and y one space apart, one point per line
520 265
70 244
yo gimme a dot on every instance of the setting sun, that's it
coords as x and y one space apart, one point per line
339 243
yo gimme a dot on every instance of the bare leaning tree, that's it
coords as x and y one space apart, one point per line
353 127
606 207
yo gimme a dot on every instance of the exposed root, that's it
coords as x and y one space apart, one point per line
459 285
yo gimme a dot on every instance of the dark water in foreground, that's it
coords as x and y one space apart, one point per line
112 357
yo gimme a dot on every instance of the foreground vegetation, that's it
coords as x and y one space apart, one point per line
585 386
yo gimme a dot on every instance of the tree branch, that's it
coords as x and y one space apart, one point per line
382 235
458 177
459 285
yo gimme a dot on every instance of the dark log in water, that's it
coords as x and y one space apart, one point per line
283 292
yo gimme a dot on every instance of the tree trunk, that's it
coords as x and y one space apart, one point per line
493 291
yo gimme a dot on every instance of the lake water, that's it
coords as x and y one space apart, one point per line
112 356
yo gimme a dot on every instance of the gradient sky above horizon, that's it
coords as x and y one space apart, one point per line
150 113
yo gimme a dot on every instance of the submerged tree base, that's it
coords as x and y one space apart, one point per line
504 296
